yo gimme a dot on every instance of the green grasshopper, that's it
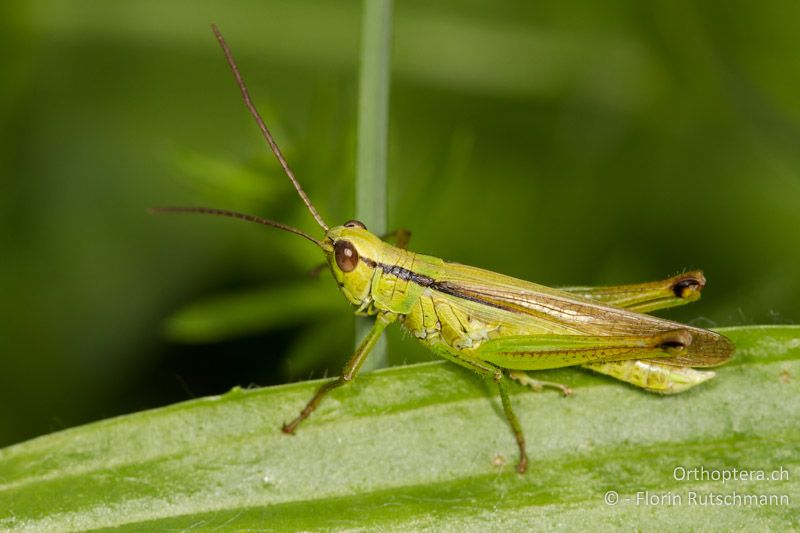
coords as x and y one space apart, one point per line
496 325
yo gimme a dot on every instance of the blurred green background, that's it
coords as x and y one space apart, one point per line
563 143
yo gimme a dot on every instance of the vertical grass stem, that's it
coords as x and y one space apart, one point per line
373 122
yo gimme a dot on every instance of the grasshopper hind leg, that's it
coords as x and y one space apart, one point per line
537 385
653 376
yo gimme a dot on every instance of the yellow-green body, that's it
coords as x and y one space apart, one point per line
471 315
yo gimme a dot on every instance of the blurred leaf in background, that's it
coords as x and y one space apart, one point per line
578 143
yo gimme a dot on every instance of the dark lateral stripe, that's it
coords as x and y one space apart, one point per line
447 288
425 281
400 272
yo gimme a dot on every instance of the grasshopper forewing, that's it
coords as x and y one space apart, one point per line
496 325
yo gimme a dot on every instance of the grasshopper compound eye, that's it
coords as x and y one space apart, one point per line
346 256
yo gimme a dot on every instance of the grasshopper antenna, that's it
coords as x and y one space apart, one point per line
236 214
263 127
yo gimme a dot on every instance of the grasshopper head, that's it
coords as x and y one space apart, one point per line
353 253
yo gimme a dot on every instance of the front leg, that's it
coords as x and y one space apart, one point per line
348 373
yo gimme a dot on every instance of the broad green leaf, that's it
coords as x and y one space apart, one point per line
426 447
